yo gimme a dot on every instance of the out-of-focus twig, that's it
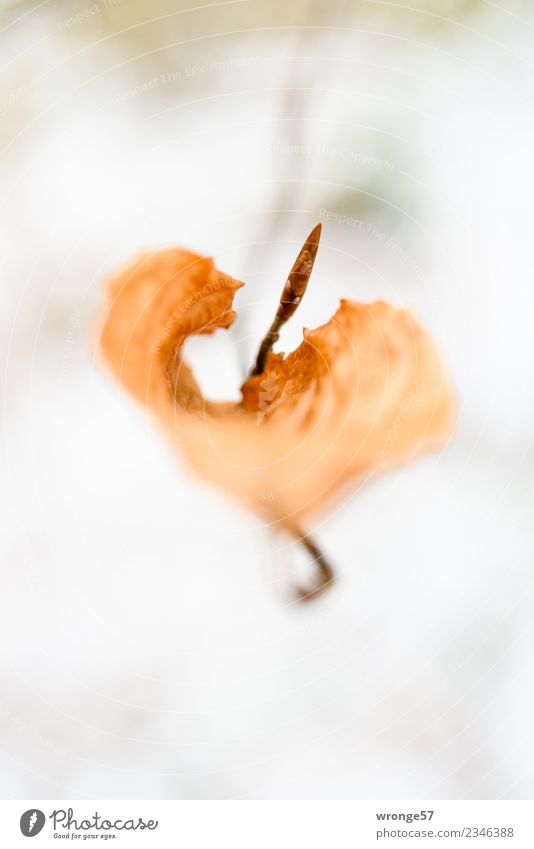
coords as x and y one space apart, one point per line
292 294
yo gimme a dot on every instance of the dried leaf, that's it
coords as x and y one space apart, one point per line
364 391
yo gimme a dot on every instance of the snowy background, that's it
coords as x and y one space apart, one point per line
150 644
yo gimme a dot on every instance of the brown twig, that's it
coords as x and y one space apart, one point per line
292 295
325 574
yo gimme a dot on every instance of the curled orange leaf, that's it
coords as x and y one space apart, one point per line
364 391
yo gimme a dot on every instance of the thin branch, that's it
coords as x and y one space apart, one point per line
325 573
292 295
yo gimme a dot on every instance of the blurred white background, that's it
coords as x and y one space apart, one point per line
150 644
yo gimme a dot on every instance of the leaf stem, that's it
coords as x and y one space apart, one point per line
325 574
